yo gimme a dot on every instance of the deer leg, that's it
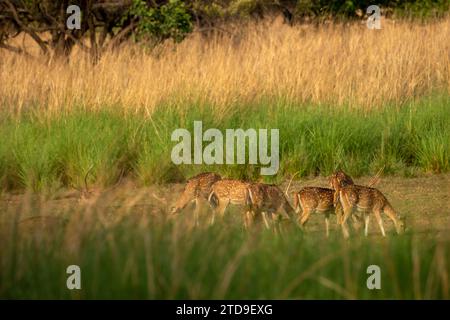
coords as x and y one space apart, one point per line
196 211
380 221
393 216
247 219
356 221
347 214
275 218
305 216
338 212
345 230
221 207
213 216
366 224
266 222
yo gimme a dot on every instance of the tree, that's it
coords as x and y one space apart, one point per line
104 23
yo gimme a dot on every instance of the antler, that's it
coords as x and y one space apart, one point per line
376 179
122 173
289 184
85 178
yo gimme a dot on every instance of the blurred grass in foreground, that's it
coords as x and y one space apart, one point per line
125 251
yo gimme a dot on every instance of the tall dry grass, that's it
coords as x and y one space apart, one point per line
332 64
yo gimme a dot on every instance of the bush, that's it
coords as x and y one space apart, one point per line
168 21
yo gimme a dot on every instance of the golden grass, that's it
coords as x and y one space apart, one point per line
332 64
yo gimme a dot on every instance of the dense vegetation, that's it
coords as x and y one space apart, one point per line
107 24
332 110
58 152
124 252
341 95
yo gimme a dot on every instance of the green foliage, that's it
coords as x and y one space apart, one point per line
353 8
220 9
246 7
167 21
139 259
38 154
422 9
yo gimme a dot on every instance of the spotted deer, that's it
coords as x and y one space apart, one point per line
267 200
321 200
197 190
312 200
225 192
365 200
338 180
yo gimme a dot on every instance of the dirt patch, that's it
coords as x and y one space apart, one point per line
423 201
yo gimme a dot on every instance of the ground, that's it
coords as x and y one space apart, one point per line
424 201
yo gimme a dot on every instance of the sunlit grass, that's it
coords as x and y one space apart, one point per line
59 151
337 64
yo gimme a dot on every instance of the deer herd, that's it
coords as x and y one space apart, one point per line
268 202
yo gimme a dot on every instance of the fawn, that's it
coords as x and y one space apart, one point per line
197 189
365 200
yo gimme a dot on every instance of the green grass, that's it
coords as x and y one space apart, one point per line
38 153
156 259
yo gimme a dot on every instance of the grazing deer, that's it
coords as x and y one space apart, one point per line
197 190
321 200
225 192
267 198
314 199
365 200
338 180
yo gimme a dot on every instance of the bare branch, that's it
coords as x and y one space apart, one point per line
112 6
92 35
120 35
25 28
14 49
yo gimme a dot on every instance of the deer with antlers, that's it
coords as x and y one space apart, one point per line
310 200
366 200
